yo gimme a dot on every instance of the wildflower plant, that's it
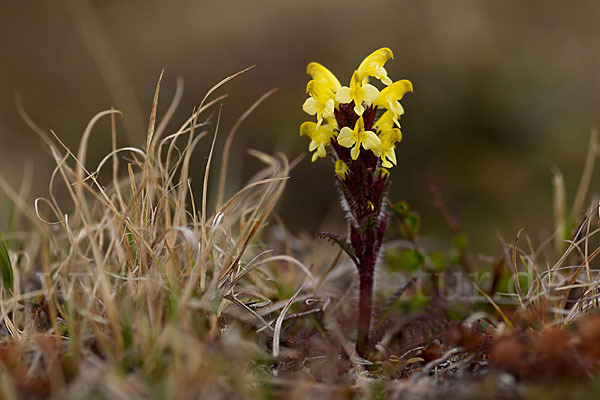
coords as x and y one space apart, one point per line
358 127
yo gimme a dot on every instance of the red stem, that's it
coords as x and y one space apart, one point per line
365 191
365 300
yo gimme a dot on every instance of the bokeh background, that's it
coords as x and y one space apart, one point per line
505 91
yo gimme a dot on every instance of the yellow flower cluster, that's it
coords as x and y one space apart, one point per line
346 125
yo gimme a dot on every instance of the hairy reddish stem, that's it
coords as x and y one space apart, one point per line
365 300
363 190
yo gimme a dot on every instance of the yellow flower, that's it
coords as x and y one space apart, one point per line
321 101
390 96
320 137
341 168
357 137
357 92
388 136
388 139
372 65
321 74
385 122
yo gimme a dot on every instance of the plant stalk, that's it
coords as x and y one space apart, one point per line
365 300
364 190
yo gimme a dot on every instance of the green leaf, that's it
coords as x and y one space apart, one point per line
411 225
408 260
5 266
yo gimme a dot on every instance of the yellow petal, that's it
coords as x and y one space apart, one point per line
394 92
319 91
383 76
345 137
360 125
359 109
323 134
307 129
391 155
321 152
355 82
371 93
329 109
321 74
343 95
385 122
332 124
319 120
390 136
372 142
396 108
397 137
310 106
355 152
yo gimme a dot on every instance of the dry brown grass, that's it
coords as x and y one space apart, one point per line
138 287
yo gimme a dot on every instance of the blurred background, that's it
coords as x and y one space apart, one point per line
505 92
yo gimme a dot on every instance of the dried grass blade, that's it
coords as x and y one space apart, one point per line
277 332
152 121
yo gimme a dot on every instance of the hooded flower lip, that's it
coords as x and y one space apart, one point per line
373 65
385 122
321 74
389 136
357 92
321 101
320 137
357 137
388 140
389 98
